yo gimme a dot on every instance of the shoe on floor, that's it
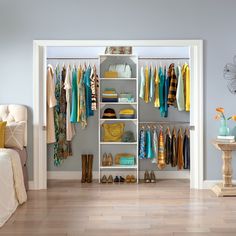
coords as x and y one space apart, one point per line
128 179
146 177
104 179
116 180
132 179
110 179
122 180
104 159
153 177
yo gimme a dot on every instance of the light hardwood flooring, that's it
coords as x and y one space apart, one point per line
168 207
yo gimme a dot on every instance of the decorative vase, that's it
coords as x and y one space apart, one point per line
223 130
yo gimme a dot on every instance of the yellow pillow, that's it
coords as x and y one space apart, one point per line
2 133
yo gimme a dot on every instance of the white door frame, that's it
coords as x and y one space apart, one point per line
39 107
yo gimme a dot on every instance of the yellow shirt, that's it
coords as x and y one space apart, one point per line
187 103
79 74
146 94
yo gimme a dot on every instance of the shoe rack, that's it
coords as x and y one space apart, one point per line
121 85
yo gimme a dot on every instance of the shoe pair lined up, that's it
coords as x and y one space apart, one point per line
107 160
149 177
110 180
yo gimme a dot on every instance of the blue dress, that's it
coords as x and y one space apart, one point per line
74 103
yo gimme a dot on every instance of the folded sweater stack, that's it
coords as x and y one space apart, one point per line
109 95
127 114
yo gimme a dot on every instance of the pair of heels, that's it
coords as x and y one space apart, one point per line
107 160
108 180
130 179
119 179
149 178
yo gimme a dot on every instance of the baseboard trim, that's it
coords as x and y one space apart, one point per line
76 175
31 185
208 184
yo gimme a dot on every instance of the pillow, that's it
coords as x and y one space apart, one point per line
2 133
14 135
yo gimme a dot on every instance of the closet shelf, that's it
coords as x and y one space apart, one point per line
116 79
118 103
118 55
102 120
119 167
118 143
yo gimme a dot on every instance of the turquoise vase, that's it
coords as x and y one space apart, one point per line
223 130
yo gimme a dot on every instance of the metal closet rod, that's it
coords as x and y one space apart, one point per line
164 58
95 58
72 58
164 122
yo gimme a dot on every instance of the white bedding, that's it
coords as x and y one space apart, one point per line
12 189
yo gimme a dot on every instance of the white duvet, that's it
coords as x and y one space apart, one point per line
12 188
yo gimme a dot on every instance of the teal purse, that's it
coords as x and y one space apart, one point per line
127 161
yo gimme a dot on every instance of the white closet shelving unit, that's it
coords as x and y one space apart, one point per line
109 59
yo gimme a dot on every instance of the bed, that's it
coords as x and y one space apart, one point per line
13 170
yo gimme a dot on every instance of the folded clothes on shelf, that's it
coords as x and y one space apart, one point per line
126 97
127 114
109 95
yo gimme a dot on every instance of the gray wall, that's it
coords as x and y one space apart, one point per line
211 20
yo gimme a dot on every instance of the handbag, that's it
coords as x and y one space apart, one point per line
118 156
113 132
123 70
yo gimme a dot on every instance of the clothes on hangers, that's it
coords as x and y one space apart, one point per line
75 91
70 129
168 152
146 94
172 86
149 152
155 146
142 153
161 156
180 160
186 149
166 88
174 149
74 105
142 83
51 103
180 90
156 88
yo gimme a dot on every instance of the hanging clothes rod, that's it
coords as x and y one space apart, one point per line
165 122
72 58
164 58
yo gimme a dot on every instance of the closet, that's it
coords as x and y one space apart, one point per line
121 95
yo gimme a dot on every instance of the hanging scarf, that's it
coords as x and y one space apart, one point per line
180 161
155 146
173 85
161 157
156 89
141 144
146 95
173 149
168 147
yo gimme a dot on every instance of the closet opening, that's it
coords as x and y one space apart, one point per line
127 99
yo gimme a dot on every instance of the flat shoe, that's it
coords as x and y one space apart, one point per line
128 179
110 179
122 180
132 179
104 179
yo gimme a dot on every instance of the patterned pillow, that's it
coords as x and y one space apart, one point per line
14 135
2 133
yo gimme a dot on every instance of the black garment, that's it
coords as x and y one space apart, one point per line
173 149
186 151
168 152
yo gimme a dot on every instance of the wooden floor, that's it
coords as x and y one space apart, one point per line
167 208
